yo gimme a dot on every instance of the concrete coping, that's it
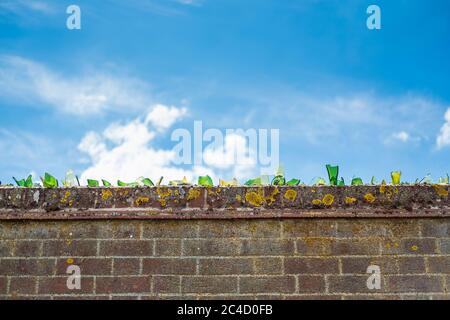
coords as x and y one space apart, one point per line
194 202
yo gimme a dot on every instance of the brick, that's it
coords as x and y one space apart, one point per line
359 265
409 246
265 247
25 248
311 265
313 297
58 285
23 267
6 248
127 266
350 284
225 266
169 266
355 247
166 284
439 264
165 247
3 285
299 228
126 248
444 246
170 229
23 285
314 246
122 285
383 228
29 230
268 265
240 229
211 247
209 284
436 228
414 283
411 265
88 266
311 284
69 248
269 284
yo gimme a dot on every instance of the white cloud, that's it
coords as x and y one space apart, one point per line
443 139
132 154
163 117
20 6
31 83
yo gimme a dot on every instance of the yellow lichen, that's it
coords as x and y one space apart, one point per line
238 198
389 191
414 248
69 261
370 198
441 190
317 202
163 193
271 198
141 200
328 199
350 200
290 195
66 197
106 194
193 194
255 199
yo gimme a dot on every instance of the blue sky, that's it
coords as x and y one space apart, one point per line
371 101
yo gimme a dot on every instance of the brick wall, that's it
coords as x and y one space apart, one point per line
273 258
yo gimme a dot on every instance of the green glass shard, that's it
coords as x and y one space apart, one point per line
70 180
93 183
20 183
319 182
49 181
159 181
126 184
205 181
253 182
395 175
374 181
333 173
341 182
293 182
106 183
357 182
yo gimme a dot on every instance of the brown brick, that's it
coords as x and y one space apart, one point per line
355 247
58 285
268 265
409 246
436 228
314 246
209 284
23 285
88 266
240 229
126 248
126 266
265 247
359 265
168 266
23 267
414 283
391 228
311 265
444 246
439 264
123 285
171 247
27 248
70 248
350 284
269 284
311 284
214 247
319 296
411 265
3 285
29 230
299 228
170 229
166 284
6 248
225 266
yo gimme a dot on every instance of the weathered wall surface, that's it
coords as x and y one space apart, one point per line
197 258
